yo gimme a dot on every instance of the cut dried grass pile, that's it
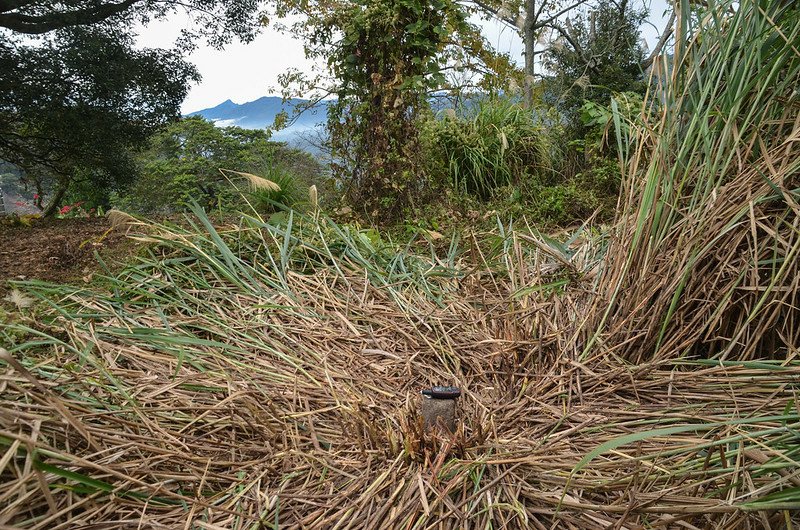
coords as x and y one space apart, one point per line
267 377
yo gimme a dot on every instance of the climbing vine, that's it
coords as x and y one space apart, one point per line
387 60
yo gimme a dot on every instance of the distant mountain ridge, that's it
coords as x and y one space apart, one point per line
261 113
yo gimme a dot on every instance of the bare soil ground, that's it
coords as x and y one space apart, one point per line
59 250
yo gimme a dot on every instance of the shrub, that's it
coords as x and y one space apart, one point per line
488 145
183 162
266 200
564 204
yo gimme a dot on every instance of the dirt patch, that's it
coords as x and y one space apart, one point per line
59 250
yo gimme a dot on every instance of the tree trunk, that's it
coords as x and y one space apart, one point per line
52 207
529 39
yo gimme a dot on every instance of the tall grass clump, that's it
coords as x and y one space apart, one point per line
704 261
488 144
273 189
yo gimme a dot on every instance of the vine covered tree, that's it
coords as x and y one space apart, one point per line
386 59
386 63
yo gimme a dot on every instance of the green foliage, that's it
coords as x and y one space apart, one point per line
589 167
183 161
602 55
544 205
385 64
598 120
488 145
77 96
84 188
600 174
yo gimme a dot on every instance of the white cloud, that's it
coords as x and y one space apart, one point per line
240 72
225 123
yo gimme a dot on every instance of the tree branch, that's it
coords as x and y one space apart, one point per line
572 42
542 6
518 22
8 5
647 63
553 18
38 24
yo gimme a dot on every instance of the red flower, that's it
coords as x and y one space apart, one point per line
35 196
65 209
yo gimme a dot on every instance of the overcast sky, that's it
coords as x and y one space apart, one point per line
243 73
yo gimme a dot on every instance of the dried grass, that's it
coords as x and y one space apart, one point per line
260 376
704 256
212 388
120 220
255 182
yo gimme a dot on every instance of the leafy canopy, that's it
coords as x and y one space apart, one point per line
73 104
599 55
77 98
182 164
217 20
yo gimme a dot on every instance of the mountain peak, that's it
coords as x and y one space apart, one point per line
261 113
